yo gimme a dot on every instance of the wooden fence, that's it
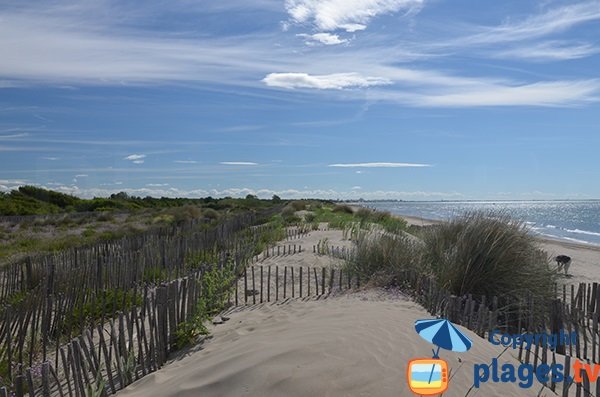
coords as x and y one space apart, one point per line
132 339
260 284
575 314
50 299
113 354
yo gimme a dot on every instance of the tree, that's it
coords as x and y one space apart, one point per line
276 199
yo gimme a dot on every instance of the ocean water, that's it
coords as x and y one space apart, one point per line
577 221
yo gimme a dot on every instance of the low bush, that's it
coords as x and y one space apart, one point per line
298 205
343 208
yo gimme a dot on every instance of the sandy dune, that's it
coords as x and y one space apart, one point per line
347 345
353 345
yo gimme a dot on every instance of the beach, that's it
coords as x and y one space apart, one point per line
352 345
345 344
585 265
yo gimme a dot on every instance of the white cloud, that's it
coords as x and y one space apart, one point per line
353 27
351 15
159 191
550 50
13 182
138 161
51 158
185 161
13 136
81 48
238 163
356 188
557 93
86 49
335 81
553 21
81 176
157 184
134 157
379 165
323 38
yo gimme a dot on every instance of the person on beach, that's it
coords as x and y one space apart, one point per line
563 262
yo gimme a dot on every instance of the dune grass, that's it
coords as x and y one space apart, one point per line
479 253
381 258
487 254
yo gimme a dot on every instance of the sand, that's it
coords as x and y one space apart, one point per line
351 345
585 259
354 344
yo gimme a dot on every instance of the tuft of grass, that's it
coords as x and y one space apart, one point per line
215 285
381 258
487 254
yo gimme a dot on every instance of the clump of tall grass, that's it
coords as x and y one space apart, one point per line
382 258
289 215
389 222
487 254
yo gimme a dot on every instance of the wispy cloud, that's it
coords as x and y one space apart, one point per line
549 50
558 93
238 163
14 136
552 21
79 49
322 38
242 128
354 15
378 165
157 184
185 161
79 176
335 81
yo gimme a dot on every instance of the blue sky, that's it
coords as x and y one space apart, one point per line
399 99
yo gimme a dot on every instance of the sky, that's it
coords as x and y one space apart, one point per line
373 99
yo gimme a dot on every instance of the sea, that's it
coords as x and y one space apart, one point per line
576 221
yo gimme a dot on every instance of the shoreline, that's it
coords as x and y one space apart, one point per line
420 221
585 266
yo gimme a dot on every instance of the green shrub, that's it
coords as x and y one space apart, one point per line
215 285
298 205
310 217
210 213
343 208
89 232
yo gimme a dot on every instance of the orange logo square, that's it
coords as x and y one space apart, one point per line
427 376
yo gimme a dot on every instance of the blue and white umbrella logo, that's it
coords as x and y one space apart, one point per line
443 334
